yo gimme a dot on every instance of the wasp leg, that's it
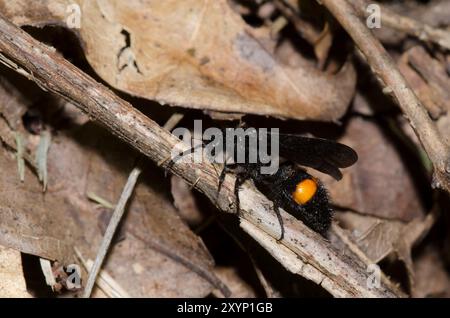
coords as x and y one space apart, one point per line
226 168
280 220
179 156
240 179
222 177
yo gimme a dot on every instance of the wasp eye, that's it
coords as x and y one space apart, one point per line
304 191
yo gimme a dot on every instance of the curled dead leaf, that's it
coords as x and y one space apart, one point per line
196 54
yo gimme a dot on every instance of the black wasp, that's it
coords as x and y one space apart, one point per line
290 187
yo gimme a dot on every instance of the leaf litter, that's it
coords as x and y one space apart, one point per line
226 59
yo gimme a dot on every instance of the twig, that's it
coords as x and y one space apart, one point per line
112 226
270 291
345 276
173 121
385 69
410 26
355 249
291 262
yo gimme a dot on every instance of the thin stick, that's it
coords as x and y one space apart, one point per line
266 285
386 70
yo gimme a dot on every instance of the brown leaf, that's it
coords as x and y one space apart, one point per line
28 224
197 54
379 184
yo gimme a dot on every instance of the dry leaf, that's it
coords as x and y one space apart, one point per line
379 184
198 54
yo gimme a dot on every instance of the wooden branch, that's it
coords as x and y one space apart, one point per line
344 276
386 70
